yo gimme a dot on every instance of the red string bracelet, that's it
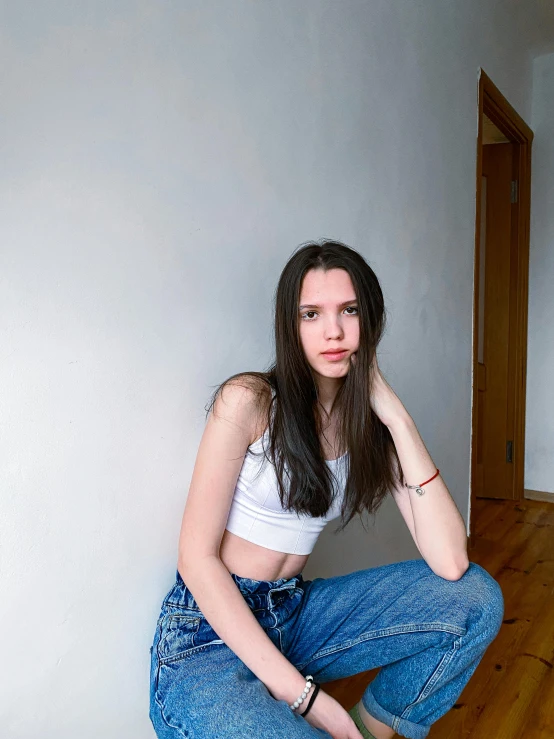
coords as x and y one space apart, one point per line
419 488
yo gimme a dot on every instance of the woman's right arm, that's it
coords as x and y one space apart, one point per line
231 427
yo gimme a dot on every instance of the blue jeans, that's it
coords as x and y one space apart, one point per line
426 633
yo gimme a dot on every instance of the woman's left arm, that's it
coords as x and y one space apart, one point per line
438 528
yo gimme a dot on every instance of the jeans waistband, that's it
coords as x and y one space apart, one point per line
180 595
247 586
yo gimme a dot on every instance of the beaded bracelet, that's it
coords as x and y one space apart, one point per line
312 699
300 700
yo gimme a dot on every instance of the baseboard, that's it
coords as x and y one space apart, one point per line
538 495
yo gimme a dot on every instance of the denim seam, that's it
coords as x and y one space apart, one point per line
441 667
280 639
158 660
393 630
182 606
166 722
276 625
157 682
187 652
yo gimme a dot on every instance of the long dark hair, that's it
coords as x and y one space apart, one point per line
372 465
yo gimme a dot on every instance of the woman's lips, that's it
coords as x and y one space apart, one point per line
335 356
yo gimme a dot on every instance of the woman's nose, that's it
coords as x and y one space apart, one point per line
333 329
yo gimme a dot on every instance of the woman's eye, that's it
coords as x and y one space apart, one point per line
308 315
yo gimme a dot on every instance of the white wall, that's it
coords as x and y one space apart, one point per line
160 162
539 422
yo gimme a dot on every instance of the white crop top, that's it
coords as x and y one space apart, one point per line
256 513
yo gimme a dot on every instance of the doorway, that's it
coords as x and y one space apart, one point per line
501 275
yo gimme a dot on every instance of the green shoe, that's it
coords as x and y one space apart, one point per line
355 713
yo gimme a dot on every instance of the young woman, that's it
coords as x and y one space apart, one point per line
243 641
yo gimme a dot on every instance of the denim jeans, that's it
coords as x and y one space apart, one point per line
426 633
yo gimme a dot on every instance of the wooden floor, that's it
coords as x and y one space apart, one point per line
511 694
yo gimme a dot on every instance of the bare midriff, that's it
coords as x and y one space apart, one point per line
246 559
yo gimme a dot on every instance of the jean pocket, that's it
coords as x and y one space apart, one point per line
182 634
177 635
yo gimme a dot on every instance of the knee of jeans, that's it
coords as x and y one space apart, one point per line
485 592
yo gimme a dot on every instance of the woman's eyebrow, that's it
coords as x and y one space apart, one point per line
342 305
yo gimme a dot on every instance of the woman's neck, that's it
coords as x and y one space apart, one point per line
327 389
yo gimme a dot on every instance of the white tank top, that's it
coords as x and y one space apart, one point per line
256 513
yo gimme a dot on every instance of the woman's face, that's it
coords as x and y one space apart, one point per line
328 321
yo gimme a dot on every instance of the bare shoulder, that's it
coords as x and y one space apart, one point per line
243 401
235 414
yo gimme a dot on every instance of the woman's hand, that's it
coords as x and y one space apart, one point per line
384 401
326 713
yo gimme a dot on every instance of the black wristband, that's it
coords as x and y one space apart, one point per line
312 699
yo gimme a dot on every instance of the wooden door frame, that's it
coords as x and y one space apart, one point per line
502 114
